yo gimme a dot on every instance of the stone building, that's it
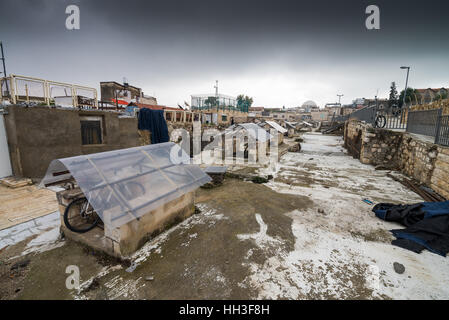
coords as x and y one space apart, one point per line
425 96
122 94
322 115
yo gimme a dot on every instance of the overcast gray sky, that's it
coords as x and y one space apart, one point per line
279 52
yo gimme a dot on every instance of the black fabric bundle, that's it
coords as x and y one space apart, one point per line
427 225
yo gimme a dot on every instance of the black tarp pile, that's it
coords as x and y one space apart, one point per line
153 120
427 225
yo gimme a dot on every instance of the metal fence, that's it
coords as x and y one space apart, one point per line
430 123
424 122
367 114
442 132
339 118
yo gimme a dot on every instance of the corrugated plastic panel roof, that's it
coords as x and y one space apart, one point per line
276 126
256 131
123 185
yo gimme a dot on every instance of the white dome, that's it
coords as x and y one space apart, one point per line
309 103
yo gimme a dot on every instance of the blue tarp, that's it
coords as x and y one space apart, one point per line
153 120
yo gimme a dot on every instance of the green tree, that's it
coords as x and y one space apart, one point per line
441 96
393 98
409 97
244 102
211 101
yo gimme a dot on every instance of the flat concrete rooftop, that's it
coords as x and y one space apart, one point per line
306 234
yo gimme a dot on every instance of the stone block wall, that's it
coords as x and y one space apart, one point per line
439 104
380 147
440 176
417 158
372 146
353 134
424 161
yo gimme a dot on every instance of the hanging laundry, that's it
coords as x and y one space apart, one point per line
153 120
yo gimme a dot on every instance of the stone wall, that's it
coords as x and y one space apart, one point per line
372 146
417 158
422 160
353 134
440 176
440 104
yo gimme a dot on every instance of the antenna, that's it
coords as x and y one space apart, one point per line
339 98
216 88
216 93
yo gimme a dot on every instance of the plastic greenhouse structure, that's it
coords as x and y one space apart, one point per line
136 192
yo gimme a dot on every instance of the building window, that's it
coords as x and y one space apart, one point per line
224 117
91 130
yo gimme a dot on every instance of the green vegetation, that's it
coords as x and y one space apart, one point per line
441 96
409 97
211 101
244 102
393 98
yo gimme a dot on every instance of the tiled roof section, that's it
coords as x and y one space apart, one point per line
431 89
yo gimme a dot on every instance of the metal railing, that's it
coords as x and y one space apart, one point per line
17 89
425 122
394 119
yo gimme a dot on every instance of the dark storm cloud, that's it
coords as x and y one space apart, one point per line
276 20
176 48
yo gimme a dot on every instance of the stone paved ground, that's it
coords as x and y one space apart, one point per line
306 234
18 205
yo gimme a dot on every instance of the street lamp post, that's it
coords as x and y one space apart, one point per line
4 67
406 84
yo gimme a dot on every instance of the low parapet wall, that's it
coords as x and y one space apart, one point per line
412 155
